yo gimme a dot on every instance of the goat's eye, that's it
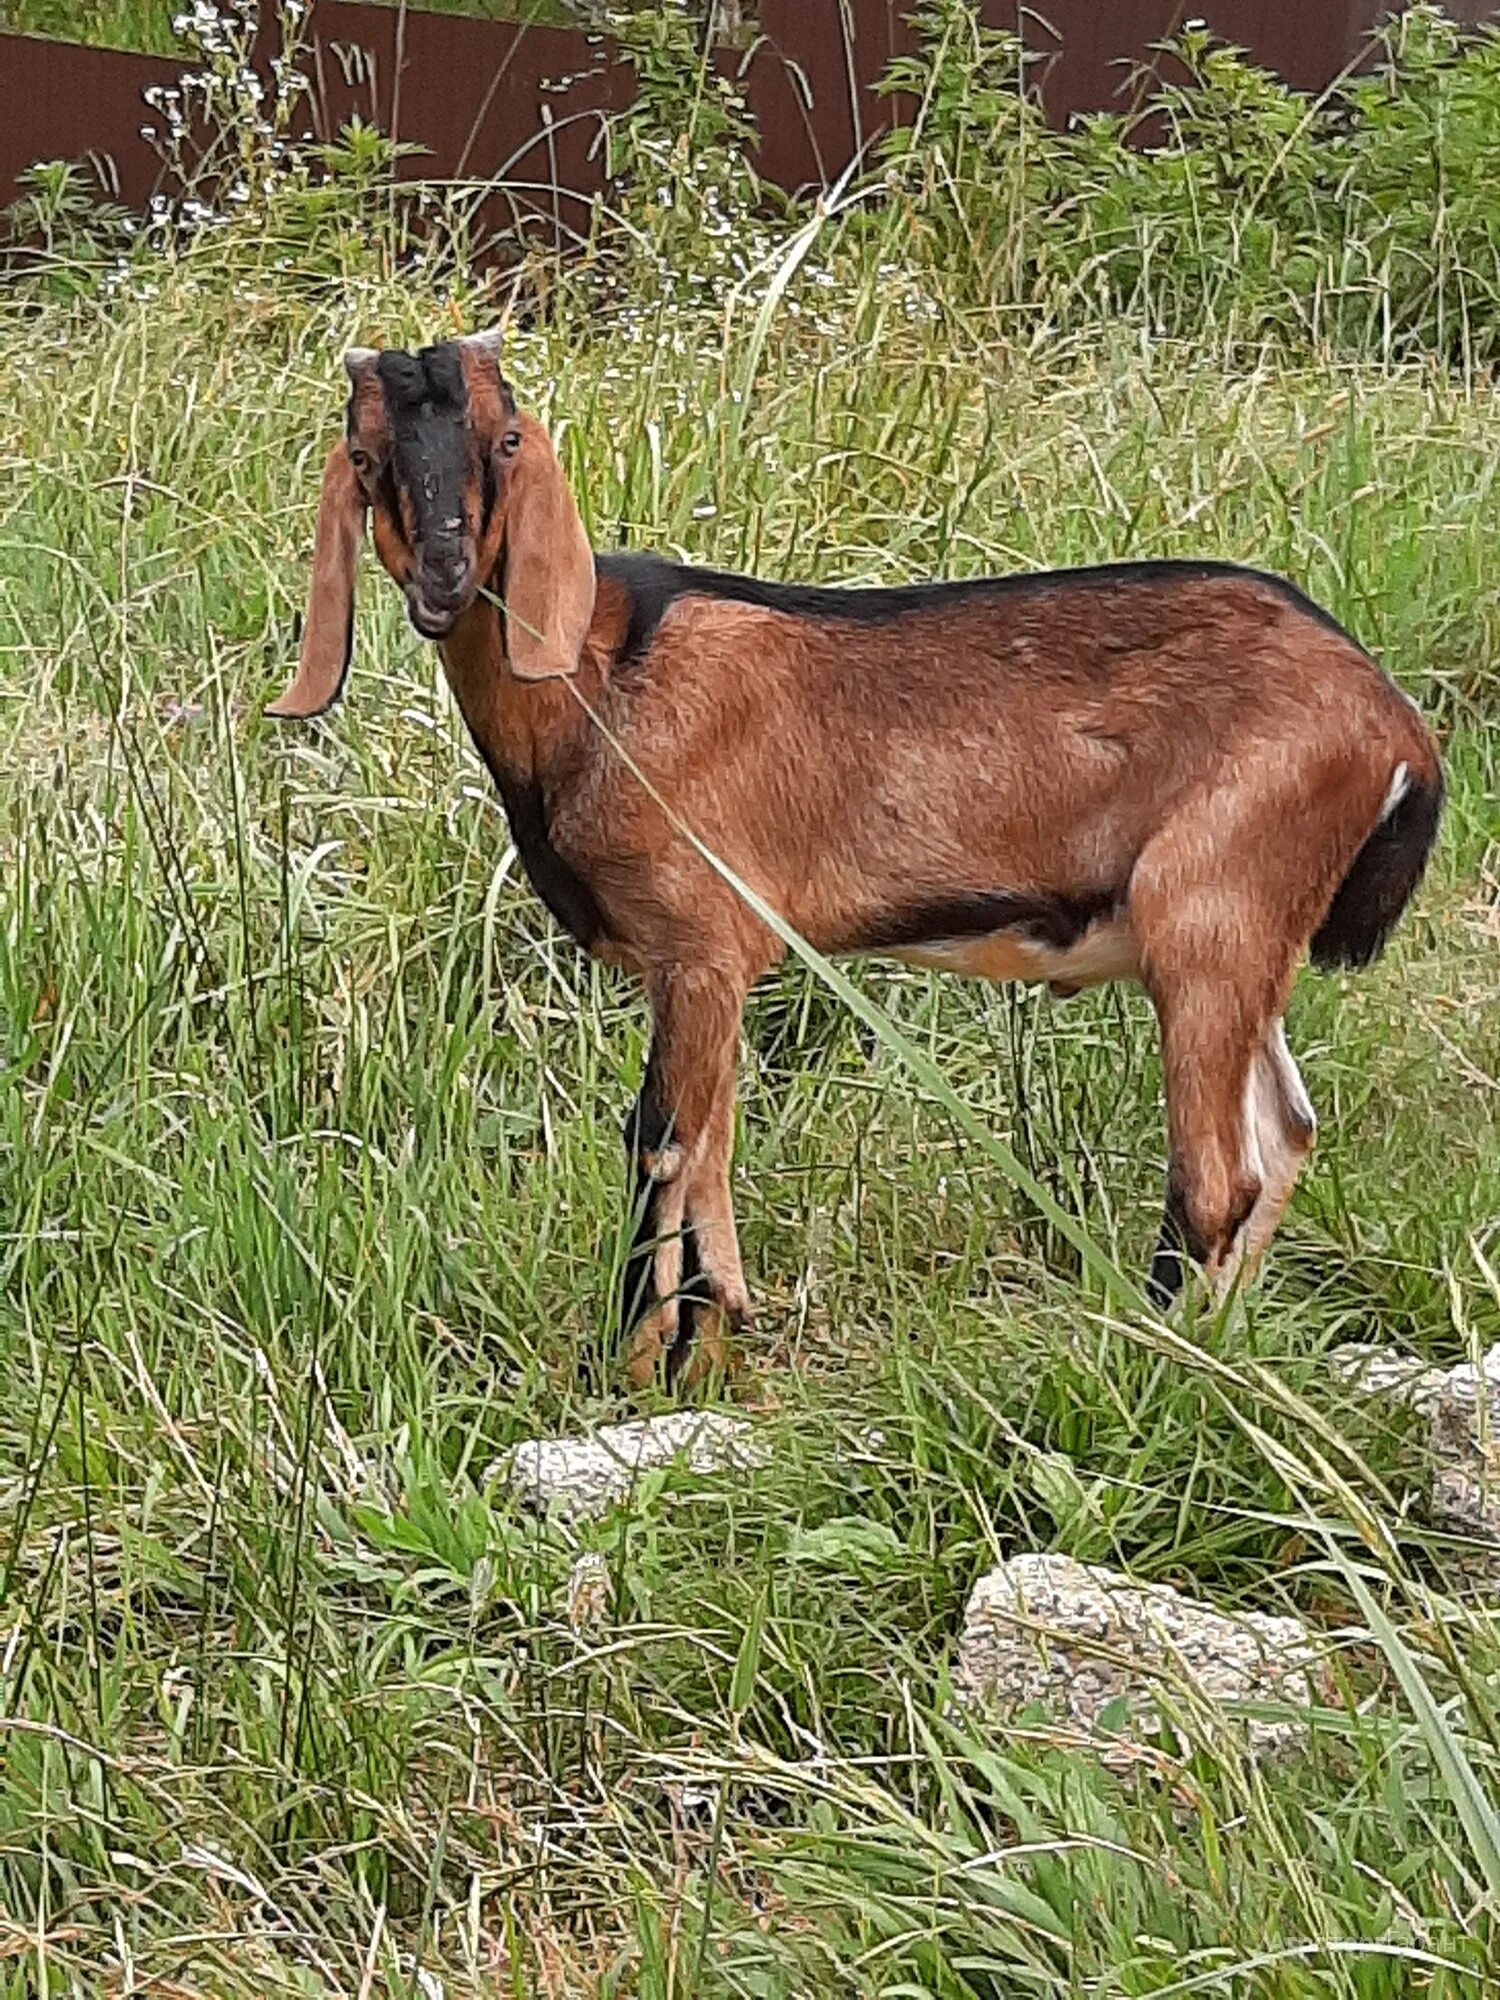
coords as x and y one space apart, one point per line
510 444
360 460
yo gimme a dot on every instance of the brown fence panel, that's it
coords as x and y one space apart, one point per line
811 84
484 98
474 95
476 92
1090 55
60 102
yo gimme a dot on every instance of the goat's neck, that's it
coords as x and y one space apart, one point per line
526 731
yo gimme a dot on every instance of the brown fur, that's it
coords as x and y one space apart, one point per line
1193 759
549 566
327 631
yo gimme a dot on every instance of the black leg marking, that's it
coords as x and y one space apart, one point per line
1174 1246
1167 1270
636 1297
692 1296
645 1132
647 1135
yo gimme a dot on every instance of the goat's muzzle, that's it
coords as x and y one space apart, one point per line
440 592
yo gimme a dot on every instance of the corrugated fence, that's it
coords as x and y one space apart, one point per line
486 98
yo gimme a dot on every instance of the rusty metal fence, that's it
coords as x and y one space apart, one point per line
483 98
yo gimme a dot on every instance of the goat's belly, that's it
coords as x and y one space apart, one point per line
1105 951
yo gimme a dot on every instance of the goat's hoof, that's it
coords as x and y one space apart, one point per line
665 1352
714 1353
652 1337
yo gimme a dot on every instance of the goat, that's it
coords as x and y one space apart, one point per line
1181 773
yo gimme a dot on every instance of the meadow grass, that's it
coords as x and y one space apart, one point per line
310 1203
147 26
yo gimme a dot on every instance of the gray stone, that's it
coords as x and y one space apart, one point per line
1073 1638
581 1476
1461 1407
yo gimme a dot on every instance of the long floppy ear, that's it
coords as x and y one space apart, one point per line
328 634
549 566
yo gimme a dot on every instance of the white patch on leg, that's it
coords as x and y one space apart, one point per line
1253 1120
1294 1091
1285 1129
1279 1128
1227 1274
1395 792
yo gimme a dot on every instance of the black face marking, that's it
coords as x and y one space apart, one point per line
427 403
654 584
1055 921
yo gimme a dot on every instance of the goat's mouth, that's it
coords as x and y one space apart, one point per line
435 613
439 590
428 621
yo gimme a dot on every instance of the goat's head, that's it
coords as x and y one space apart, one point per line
465 496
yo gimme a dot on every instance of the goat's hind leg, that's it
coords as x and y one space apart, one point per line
684 1289
1222 902
1218 971
1212 1177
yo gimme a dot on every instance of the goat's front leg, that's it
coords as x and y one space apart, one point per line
684 1291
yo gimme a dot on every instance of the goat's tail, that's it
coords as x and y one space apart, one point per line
1383 874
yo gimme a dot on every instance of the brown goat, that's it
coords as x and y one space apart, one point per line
1180 773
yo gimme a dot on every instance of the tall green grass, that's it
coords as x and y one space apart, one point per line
150 26
310 1199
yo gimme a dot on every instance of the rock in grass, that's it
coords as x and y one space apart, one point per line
580 1476
1461 1407
1076 1640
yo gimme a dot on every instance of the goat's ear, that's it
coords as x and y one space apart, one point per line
549 566
328 634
